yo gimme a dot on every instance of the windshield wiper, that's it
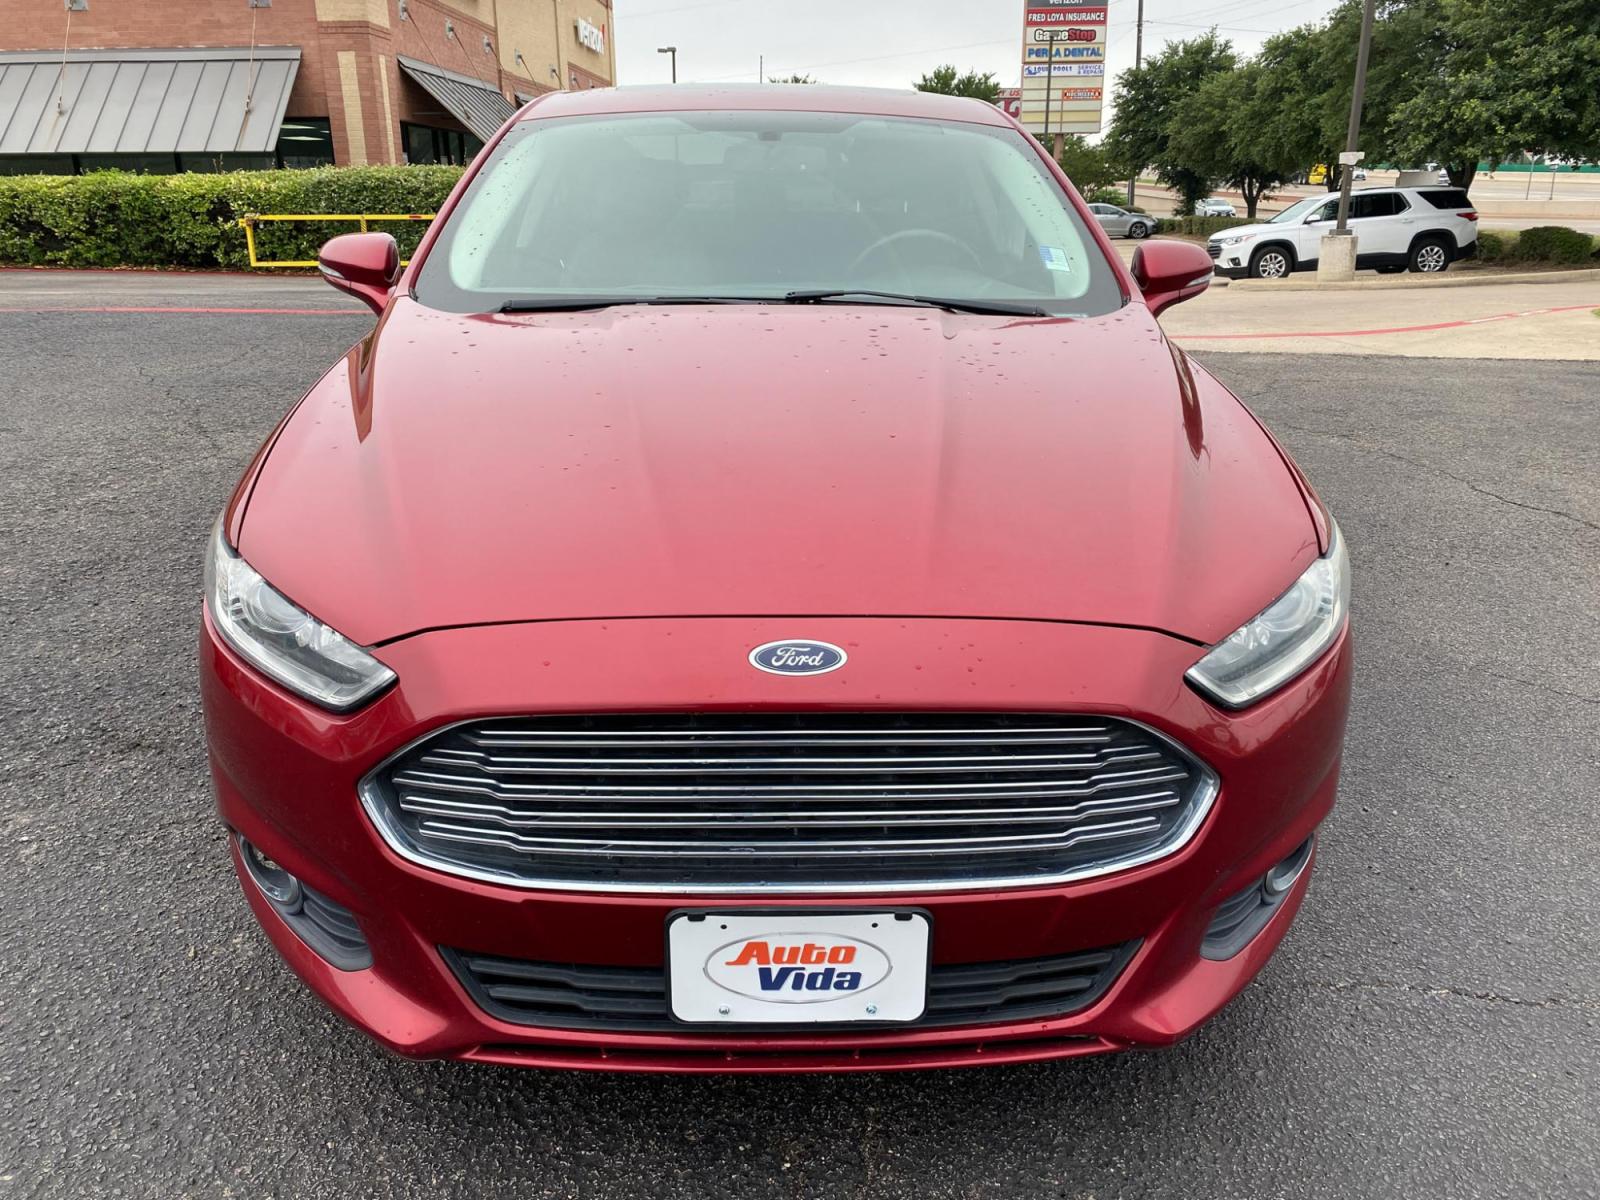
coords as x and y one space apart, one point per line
578 303
992 307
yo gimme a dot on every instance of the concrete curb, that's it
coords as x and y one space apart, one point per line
1386 283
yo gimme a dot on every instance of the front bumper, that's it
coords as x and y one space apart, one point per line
286 774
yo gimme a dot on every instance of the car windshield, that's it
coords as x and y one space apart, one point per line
759 205
1299 211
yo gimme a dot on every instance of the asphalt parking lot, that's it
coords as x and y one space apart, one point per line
1431 1027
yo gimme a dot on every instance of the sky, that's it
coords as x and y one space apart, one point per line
891 43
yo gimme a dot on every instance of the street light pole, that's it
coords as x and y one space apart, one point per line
1353 133
1336 262
672 50
1138 61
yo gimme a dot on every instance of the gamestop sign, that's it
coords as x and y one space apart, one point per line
1063 42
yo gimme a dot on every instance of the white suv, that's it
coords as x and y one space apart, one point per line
1423 229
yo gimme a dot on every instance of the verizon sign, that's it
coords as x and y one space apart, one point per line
591 36
1063 66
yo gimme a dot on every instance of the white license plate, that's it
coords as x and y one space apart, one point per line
730 968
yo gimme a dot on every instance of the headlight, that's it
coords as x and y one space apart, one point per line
283 641
1290 634
1235 240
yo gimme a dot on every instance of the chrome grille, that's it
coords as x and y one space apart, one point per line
796 802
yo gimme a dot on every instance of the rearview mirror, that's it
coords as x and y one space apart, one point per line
1169 272
365 265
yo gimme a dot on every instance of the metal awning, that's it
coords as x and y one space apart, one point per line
211 100
474 103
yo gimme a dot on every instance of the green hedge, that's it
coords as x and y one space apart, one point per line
1200 226
1495 247
116 219
1554 244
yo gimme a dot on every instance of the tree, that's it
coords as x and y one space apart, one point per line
790 79
1512 77
1148 99
1296 124
1087 166
1410 48
1218 130
944 80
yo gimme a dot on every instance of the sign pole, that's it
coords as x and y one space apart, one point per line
1049 84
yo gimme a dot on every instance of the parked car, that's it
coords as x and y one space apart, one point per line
1212 206
1421 229
1359 175
793 612
1119 222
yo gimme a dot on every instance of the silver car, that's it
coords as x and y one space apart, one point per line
1213 206
1119 222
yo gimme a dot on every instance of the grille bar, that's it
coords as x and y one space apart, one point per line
856 847
737 818
658 792
788 801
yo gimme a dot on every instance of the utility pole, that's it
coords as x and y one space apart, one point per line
672 50
1337 260
1138 61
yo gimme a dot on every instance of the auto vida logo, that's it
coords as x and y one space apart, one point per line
796 656
797 968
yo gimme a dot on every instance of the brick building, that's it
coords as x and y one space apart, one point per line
222 84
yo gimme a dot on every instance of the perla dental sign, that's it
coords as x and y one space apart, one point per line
591 36
797 968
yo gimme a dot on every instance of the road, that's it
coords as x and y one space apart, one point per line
1431 1027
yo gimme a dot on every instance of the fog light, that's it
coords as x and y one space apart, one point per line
1245 914
1281 878
276 884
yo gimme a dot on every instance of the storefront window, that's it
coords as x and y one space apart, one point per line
426 144
305 142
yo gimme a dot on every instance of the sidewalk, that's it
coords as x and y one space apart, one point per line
1546 321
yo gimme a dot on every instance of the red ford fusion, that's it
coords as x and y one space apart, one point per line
767 596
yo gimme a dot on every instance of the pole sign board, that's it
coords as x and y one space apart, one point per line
1009 101
1063 66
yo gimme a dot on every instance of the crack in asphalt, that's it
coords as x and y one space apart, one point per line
1362 443
1545 687
1581 1003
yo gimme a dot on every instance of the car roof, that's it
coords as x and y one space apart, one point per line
780 97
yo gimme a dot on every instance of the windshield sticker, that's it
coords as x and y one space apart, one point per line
1055 258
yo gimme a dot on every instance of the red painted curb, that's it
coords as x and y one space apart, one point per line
1342 333
188 310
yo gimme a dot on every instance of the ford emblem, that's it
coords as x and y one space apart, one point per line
796 656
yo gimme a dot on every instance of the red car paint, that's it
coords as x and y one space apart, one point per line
604 511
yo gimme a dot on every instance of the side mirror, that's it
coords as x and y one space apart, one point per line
1169 272
365 265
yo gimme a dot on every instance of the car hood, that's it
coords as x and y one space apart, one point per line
1255 230
766 459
